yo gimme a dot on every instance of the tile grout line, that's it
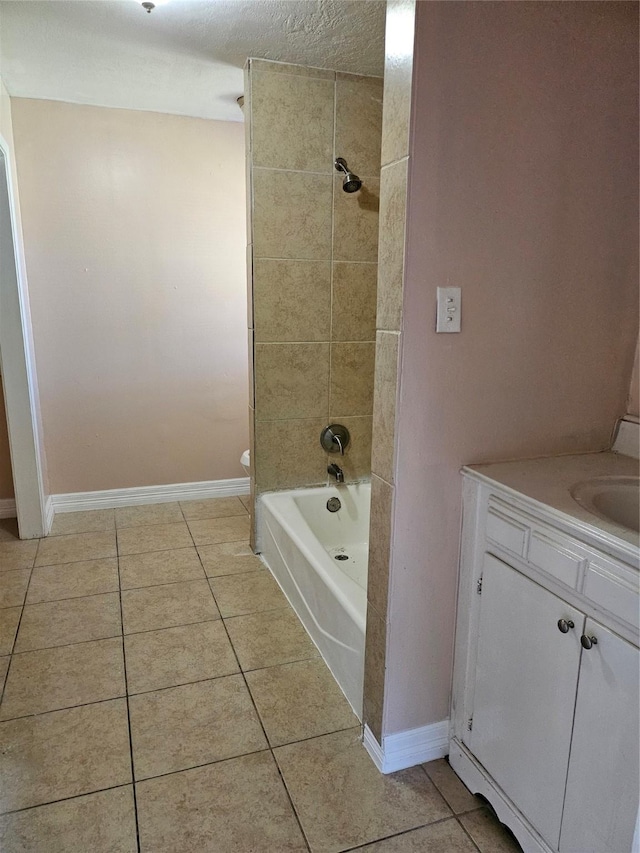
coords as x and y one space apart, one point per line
15 636
126 689
264 732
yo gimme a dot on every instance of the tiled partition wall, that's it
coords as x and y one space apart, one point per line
312 268
393 193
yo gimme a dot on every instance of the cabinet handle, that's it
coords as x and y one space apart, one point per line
564 625
587 642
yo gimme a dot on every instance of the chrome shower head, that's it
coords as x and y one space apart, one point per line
350 183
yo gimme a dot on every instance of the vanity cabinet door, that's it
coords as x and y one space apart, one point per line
602 787
525 690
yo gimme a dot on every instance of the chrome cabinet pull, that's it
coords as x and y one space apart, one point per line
565 625
587 642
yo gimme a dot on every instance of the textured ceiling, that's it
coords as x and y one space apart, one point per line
185 57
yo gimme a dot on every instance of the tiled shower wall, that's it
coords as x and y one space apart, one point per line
395 162
312 263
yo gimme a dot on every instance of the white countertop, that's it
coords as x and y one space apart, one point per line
547 481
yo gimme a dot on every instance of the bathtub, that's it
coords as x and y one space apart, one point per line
319 559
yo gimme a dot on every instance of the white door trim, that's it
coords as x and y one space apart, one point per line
17 364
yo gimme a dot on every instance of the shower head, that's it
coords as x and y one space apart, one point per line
350 183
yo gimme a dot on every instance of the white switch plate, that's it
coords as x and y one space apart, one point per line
449 309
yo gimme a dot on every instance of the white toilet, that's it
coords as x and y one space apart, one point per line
245 461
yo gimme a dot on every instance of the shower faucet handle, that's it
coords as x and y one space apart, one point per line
335 438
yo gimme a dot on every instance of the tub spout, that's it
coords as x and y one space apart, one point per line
335 471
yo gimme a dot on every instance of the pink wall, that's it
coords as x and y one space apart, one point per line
524 192
134 228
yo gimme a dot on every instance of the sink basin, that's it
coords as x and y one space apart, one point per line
615 498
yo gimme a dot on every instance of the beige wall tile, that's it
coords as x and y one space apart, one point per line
251 365
398 71
355 221
266 66
352 366
288 454
249 256
374 670
393 194
356 462
292 300
384 405
353 303
292 215
292 380
379 544
359 122
292 122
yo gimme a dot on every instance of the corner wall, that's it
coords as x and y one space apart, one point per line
134 230
313 266
523 190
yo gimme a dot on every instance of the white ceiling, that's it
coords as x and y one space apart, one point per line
185 57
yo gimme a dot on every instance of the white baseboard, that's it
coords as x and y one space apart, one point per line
7 508
49 512
110 498
405 749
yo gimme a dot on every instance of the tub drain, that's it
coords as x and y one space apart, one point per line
341 557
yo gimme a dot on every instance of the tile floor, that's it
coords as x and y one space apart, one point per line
161 696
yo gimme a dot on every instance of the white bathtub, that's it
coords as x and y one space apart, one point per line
299 540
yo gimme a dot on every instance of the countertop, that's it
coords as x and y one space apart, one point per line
547 482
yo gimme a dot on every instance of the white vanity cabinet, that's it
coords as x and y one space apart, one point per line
545 715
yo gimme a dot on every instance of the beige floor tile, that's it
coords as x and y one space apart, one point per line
153 537
458 796
212 508
250 812
447 836
252 592
269 638
246 502
72 549
75 620
299 700
64 754
194 724
210 531
104 822
13 587
229 558
166 606
51 679
9 619
488 833
160 567
17 555
9 530
93 521
4 666
173 656
134 516
73 580
341 798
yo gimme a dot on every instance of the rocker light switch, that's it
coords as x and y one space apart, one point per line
449 305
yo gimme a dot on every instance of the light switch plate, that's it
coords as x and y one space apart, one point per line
449 309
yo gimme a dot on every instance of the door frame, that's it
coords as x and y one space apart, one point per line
17 366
